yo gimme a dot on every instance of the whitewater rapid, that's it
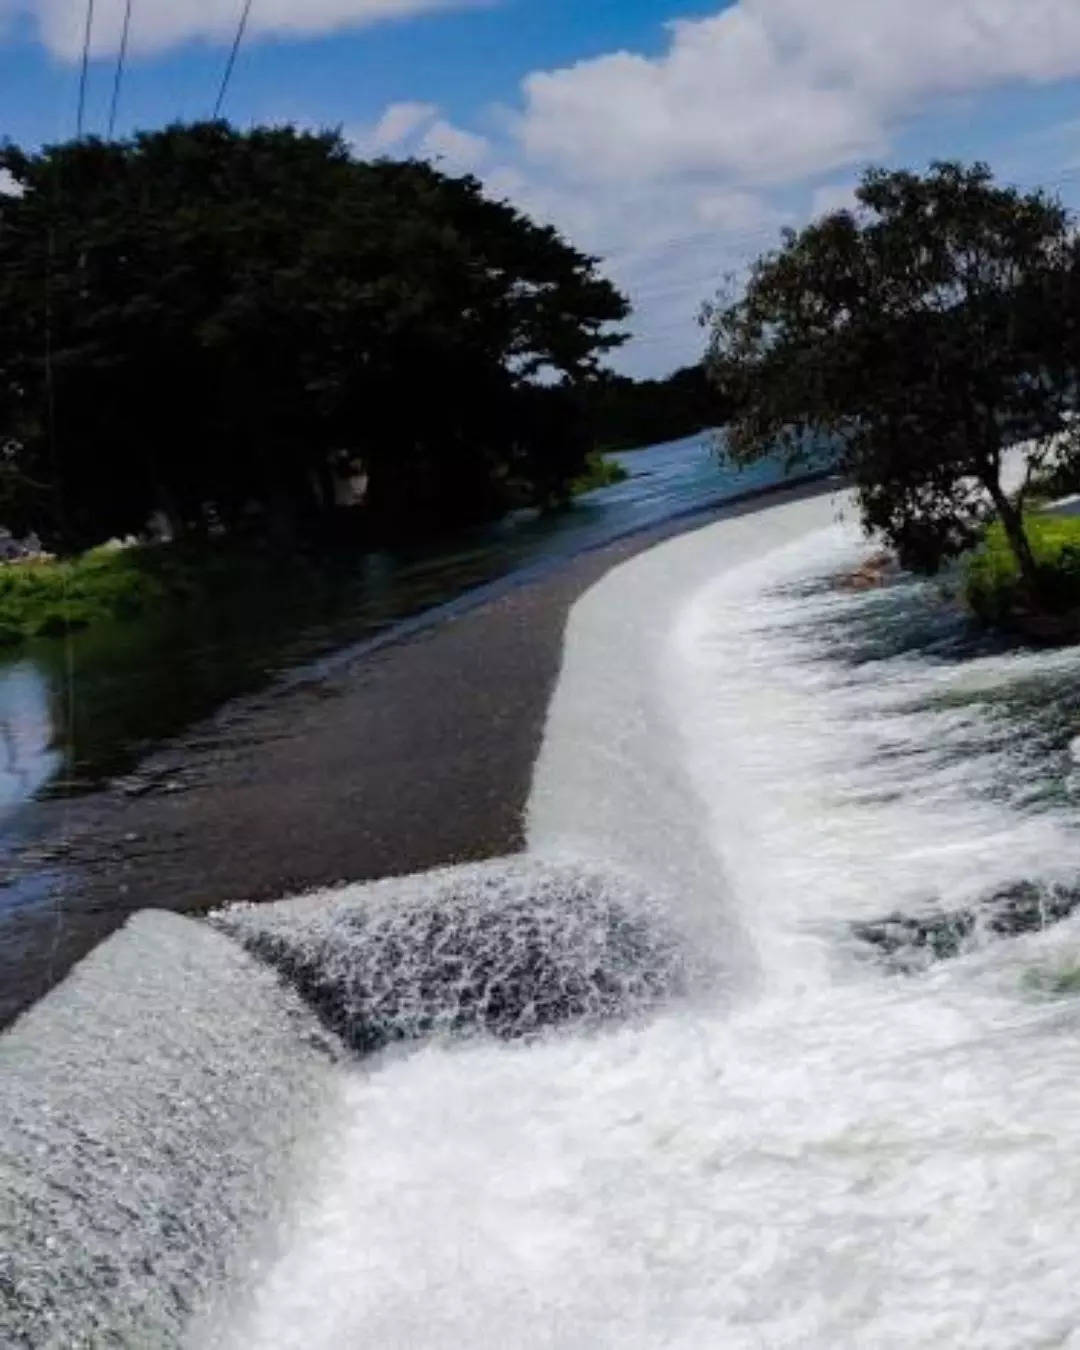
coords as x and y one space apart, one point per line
807 1139
807 1151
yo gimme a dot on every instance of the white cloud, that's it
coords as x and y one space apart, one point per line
831 197
667 248
8 186
165 23
768 90
419 130
681 167
398 124
456 150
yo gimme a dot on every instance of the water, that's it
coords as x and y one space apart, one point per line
139 682
148 1110
791 1144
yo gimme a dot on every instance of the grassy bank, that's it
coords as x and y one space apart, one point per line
48 597
993 584
600 471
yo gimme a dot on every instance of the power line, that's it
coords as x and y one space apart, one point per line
120 59
232 57
85 69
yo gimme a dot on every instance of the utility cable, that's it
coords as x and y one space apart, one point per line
121 57
80 116
240 30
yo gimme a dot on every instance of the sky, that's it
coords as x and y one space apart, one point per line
672 139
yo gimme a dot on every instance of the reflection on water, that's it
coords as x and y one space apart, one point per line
28 757
137 683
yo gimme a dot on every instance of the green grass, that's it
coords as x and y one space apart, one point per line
51 597
48 597
992 580
599 472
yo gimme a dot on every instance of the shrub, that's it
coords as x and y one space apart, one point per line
599 472
993 586
46 597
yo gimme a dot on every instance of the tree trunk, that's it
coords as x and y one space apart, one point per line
1013 525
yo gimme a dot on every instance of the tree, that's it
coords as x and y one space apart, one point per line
213 324
921 334
629 413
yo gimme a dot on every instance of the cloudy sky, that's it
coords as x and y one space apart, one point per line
672 138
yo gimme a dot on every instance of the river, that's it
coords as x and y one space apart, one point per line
819 1141
73 716
794 954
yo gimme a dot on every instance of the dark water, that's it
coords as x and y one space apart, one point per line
75 715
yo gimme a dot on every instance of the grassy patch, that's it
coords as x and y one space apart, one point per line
50 597
599 472
993 585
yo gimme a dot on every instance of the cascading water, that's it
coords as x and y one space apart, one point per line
149 1104
734 1098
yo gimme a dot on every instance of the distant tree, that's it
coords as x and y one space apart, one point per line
213 323
630 413
922 334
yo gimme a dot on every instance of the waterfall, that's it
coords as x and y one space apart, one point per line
768 1038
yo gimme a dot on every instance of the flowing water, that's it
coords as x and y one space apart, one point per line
769 1040
138 682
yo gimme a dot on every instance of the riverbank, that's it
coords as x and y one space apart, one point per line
55 597
400 756
45 596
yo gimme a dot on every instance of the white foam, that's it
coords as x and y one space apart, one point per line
833 1157
845 791
155 1108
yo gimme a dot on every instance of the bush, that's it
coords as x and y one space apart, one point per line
50 597
599 472
993 585
46 597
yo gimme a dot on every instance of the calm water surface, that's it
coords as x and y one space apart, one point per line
74 717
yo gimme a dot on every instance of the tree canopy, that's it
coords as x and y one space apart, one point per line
630 413
921 334
218 324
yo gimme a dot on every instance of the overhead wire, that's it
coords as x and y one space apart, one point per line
241 28
81 114
121 57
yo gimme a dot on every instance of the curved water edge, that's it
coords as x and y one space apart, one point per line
141 682
787 1145
150 1104
509 948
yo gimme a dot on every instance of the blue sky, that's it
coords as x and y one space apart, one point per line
673 139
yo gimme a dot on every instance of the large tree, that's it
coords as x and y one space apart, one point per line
920 335
212 323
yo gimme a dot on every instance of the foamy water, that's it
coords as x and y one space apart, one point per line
792 1146
810 1151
